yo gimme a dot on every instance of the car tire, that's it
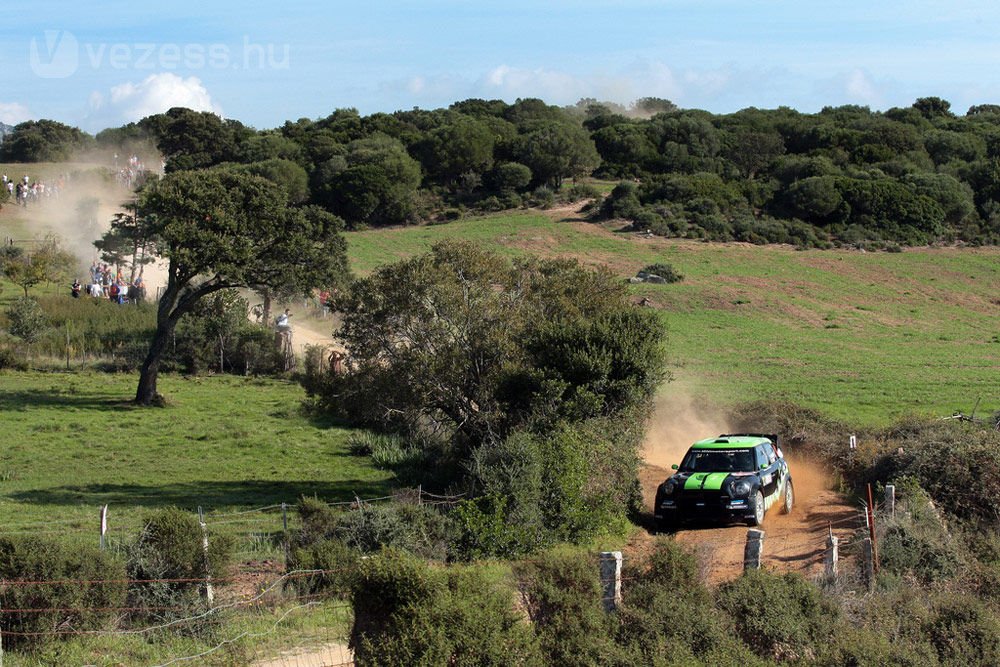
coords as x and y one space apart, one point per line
789 503
758 510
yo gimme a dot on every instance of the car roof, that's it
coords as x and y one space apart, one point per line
730 442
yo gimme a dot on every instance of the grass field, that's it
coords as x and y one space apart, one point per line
865 337
72 443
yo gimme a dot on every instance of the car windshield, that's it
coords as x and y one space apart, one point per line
718 460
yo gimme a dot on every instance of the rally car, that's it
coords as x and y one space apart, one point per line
734 477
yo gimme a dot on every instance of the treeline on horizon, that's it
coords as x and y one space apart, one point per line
843 176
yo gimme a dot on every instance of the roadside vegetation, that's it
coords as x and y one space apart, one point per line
436 483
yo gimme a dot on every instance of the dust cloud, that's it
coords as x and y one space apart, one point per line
80 214
678 421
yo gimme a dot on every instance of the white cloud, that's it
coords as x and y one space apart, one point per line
155 94
12 113
860 88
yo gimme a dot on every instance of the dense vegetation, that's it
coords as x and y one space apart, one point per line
521 384
912 175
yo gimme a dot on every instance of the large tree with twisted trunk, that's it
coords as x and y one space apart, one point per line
218 230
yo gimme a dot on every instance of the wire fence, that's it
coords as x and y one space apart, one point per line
261 616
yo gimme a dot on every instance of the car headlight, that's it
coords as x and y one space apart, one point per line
739 488
669 487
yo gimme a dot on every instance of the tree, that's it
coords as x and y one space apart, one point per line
753 151
127 242
47 263
466 344
220 230
27 321
555 150
43 141
372 184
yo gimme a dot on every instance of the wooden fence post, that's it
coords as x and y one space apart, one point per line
867 557
208 592
753 550
104 526
832 557
611 579
890 499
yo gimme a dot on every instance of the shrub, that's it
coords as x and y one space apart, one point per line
337 560
665 271
26 320
915 541
667 612
780 617
9 360
416 529
964 631
485 530
542 197
563 596
80 606
169 550
407 613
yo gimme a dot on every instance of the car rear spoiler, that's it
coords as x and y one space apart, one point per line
773 437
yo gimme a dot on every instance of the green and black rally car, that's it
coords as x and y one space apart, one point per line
734 477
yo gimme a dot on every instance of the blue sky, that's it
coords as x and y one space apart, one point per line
263 63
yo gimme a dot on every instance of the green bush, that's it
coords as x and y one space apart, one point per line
9 360
563 596
915 541
964 631
408 613
416 529
89 595
780 617
26 320
169 559
665 271
485 529
337 560
667 612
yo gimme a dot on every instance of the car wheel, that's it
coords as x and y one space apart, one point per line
786 508
758 510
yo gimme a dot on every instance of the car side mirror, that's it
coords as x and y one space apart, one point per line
763 466
674 467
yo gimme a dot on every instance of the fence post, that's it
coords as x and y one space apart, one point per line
832 557
208 592
868 559
753 550
890 499
611 579
104 526
871 530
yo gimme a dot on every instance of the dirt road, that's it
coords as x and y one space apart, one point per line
792 542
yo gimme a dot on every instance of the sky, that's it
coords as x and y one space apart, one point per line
103 65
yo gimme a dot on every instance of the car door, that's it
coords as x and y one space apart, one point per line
770 474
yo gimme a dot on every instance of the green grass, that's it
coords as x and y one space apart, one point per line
73 443
866 337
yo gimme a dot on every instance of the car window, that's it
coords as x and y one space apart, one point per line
738 460
769 450
761 456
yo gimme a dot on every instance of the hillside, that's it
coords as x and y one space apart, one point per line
862 336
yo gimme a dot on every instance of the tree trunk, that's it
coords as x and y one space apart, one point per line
266 316
146 394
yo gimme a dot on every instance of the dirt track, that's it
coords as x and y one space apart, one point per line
792 542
